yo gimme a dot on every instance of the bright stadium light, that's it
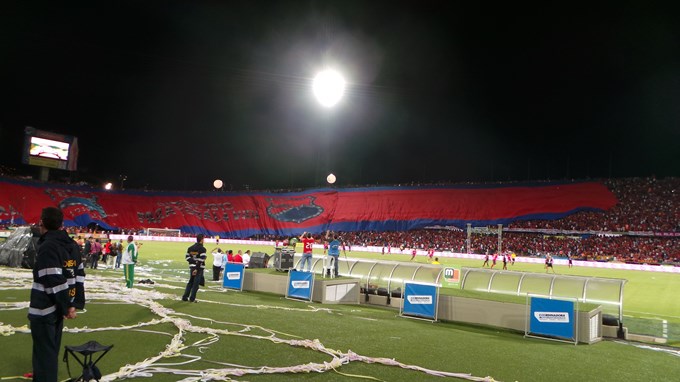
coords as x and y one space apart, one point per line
108 186
331 178
328 87
218 183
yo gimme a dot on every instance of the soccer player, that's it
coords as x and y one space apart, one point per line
549 263
495 257
486 260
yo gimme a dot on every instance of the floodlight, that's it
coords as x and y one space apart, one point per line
328 87
218 183
331 178
108 186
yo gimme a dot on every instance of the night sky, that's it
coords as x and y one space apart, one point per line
176 94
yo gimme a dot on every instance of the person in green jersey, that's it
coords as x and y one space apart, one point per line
129 260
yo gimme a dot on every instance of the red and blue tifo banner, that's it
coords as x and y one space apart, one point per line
238 215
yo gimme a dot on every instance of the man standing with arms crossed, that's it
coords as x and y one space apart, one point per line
195 256
58 290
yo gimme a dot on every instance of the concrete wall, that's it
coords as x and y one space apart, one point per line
457 309
325 291
498 314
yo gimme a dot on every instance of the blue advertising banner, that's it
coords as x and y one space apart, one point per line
553 318
300 285
233 276
420 300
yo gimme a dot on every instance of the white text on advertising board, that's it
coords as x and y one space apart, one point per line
557 317
300 284
233 275
420 300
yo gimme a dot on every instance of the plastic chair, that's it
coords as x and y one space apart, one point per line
329 266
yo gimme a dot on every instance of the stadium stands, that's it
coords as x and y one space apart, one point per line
643 227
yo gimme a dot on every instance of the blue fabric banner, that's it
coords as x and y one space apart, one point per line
420 300
553 318
233 276
300 285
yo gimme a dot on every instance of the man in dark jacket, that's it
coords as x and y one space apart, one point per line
58 290
195 256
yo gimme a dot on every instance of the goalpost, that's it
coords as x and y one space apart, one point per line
484 231
163 232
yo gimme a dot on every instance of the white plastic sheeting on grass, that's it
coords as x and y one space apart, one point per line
106 290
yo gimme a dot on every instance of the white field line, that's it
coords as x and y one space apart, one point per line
642 315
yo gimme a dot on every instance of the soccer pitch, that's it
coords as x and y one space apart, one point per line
246 336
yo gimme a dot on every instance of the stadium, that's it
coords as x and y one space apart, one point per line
256 333
339 190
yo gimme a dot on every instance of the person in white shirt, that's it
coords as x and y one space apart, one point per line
246 258
218 263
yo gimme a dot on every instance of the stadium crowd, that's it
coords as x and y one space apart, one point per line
644 227
607 247
645 204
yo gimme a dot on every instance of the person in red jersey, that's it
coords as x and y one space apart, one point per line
307 247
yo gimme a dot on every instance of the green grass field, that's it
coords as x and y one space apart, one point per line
235 334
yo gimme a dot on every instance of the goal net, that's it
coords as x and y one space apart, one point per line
489 231
163 232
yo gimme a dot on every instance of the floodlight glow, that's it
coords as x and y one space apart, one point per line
330 178
108 186
328 87
218 183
